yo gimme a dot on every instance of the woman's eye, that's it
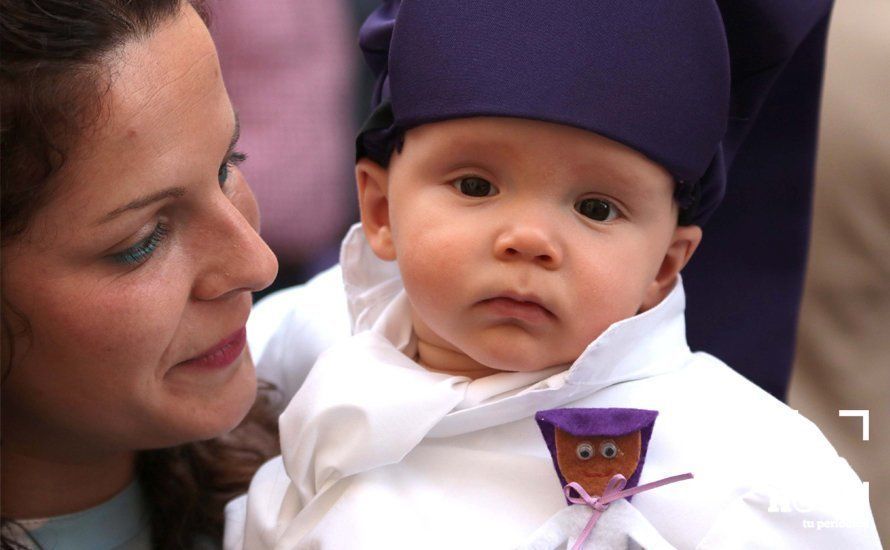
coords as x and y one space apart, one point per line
475 187
234 159
609 450
597 209
141 251
584 451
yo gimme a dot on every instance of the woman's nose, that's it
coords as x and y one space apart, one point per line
241 262
529 242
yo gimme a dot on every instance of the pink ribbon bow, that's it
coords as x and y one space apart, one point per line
613 491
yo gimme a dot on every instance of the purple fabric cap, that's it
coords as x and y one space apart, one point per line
612 422
651 74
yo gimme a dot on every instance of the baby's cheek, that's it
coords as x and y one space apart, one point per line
430 302
431 268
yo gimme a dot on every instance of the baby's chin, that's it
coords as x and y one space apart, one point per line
521 351
483 353
518 362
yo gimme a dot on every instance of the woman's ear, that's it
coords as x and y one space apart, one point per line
373 185
684 241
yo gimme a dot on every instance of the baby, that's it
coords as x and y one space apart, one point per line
531 183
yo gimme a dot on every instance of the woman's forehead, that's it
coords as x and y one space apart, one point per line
163 75
165 119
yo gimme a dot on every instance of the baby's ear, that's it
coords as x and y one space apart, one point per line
373 185
684 241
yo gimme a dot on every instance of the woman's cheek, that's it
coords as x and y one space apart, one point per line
131 323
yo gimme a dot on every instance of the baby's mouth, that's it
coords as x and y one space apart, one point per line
516 306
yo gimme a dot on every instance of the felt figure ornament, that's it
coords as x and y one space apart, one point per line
599 455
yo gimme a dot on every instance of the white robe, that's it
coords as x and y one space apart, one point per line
380 453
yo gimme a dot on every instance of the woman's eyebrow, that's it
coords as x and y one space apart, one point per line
170 192
142 202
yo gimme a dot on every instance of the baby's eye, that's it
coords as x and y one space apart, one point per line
609 450
584 451
597 209
473 186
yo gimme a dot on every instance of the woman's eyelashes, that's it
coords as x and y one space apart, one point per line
141 251
599 210
474 186
234 159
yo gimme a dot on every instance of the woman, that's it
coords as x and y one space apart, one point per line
130 249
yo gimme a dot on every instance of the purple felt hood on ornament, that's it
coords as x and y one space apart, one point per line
612 422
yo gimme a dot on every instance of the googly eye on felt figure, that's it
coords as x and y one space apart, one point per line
608 449
584 451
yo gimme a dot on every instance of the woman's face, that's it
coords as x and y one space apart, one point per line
135 278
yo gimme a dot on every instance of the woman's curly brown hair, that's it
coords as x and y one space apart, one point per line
52 84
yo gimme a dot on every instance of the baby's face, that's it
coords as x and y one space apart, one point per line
519 242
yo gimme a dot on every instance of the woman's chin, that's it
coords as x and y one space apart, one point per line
204 410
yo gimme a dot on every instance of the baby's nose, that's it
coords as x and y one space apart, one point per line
528 243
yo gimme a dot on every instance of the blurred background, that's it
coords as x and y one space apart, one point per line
843 346
294 73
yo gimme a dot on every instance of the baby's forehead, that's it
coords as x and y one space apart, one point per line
525 146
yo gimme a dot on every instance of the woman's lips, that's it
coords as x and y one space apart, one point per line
515 308
222 354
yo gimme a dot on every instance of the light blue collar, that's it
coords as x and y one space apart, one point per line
122 522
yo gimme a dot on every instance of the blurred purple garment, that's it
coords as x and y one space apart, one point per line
289 67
